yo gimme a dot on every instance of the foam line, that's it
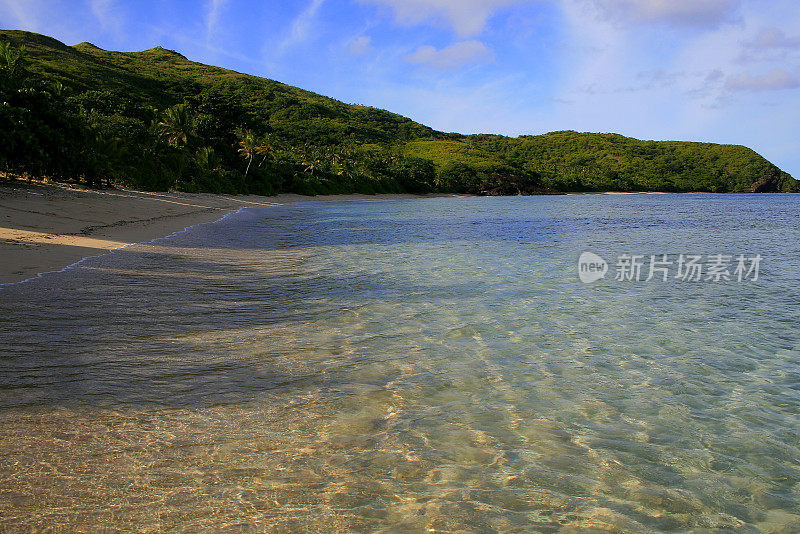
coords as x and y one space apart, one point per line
39 275
109 251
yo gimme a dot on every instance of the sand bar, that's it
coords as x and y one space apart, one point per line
45 227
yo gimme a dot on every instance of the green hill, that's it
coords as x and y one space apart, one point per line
154 119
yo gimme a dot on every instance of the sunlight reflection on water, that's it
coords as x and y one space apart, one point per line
412 365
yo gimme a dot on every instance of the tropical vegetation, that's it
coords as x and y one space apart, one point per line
155 120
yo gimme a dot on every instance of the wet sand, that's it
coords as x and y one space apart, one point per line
46 227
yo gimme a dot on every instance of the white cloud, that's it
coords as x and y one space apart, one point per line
771 38
770 47
705 14
212 16
776 79
360 46
24 13
103 11
625 73
465 17
301 27
452 57
447 103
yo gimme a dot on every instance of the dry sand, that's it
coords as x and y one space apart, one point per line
46 227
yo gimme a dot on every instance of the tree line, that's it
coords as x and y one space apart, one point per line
154 120
208 143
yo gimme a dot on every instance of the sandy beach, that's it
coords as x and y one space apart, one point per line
46 227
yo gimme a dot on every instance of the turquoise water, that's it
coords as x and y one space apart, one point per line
423 365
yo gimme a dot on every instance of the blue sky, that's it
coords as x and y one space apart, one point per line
724 71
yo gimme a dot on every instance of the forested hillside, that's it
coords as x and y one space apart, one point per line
156 120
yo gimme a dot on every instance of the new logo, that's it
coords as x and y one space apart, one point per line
591 267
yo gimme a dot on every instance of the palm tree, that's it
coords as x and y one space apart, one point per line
176 125
267 147
248 148
11 61
311 159
346 164
207 160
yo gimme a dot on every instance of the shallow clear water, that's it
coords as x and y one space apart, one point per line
412 365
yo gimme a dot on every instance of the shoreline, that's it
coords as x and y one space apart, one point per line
50 227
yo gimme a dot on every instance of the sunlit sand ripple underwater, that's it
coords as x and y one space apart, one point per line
417 365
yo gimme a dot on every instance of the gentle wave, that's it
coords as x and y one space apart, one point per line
411 365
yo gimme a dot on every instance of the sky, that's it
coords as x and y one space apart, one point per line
724 71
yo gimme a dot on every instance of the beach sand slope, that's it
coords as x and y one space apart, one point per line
46 227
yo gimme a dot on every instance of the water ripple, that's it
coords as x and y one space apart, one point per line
416 365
